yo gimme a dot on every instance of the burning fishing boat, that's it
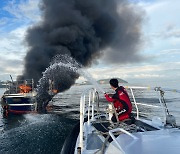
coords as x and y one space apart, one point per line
19 97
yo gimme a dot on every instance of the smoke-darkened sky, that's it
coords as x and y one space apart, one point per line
160 30
84 30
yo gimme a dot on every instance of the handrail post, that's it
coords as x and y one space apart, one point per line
84 104
81 122
82 113
137 110
162 106
110 110
93 97
16 86
89 107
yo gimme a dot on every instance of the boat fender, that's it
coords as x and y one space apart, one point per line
79 150
170 120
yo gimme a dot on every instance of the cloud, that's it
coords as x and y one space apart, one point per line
25 10
156 72
19 13
24 13
10 66
3 21
170 52
16 17
2 69
166 55
173 33
162 30
12 43
167 33
163 17
13 50
145 76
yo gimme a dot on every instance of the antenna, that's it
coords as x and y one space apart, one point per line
11 78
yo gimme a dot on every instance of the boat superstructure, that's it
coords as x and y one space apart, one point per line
19 97
97 134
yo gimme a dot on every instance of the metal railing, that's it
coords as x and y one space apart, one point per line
160 93
13 86
135 102
89 109
123 131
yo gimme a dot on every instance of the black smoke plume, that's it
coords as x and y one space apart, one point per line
83 29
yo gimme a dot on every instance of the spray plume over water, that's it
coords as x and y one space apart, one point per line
54 74
55 77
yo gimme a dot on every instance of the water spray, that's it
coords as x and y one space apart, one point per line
60 72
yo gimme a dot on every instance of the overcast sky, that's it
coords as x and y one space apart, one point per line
161 33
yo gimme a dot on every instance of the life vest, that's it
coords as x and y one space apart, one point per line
122 103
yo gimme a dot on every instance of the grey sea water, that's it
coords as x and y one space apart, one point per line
45 133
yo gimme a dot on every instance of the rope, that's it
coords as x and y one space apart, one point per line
130 128
115 113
